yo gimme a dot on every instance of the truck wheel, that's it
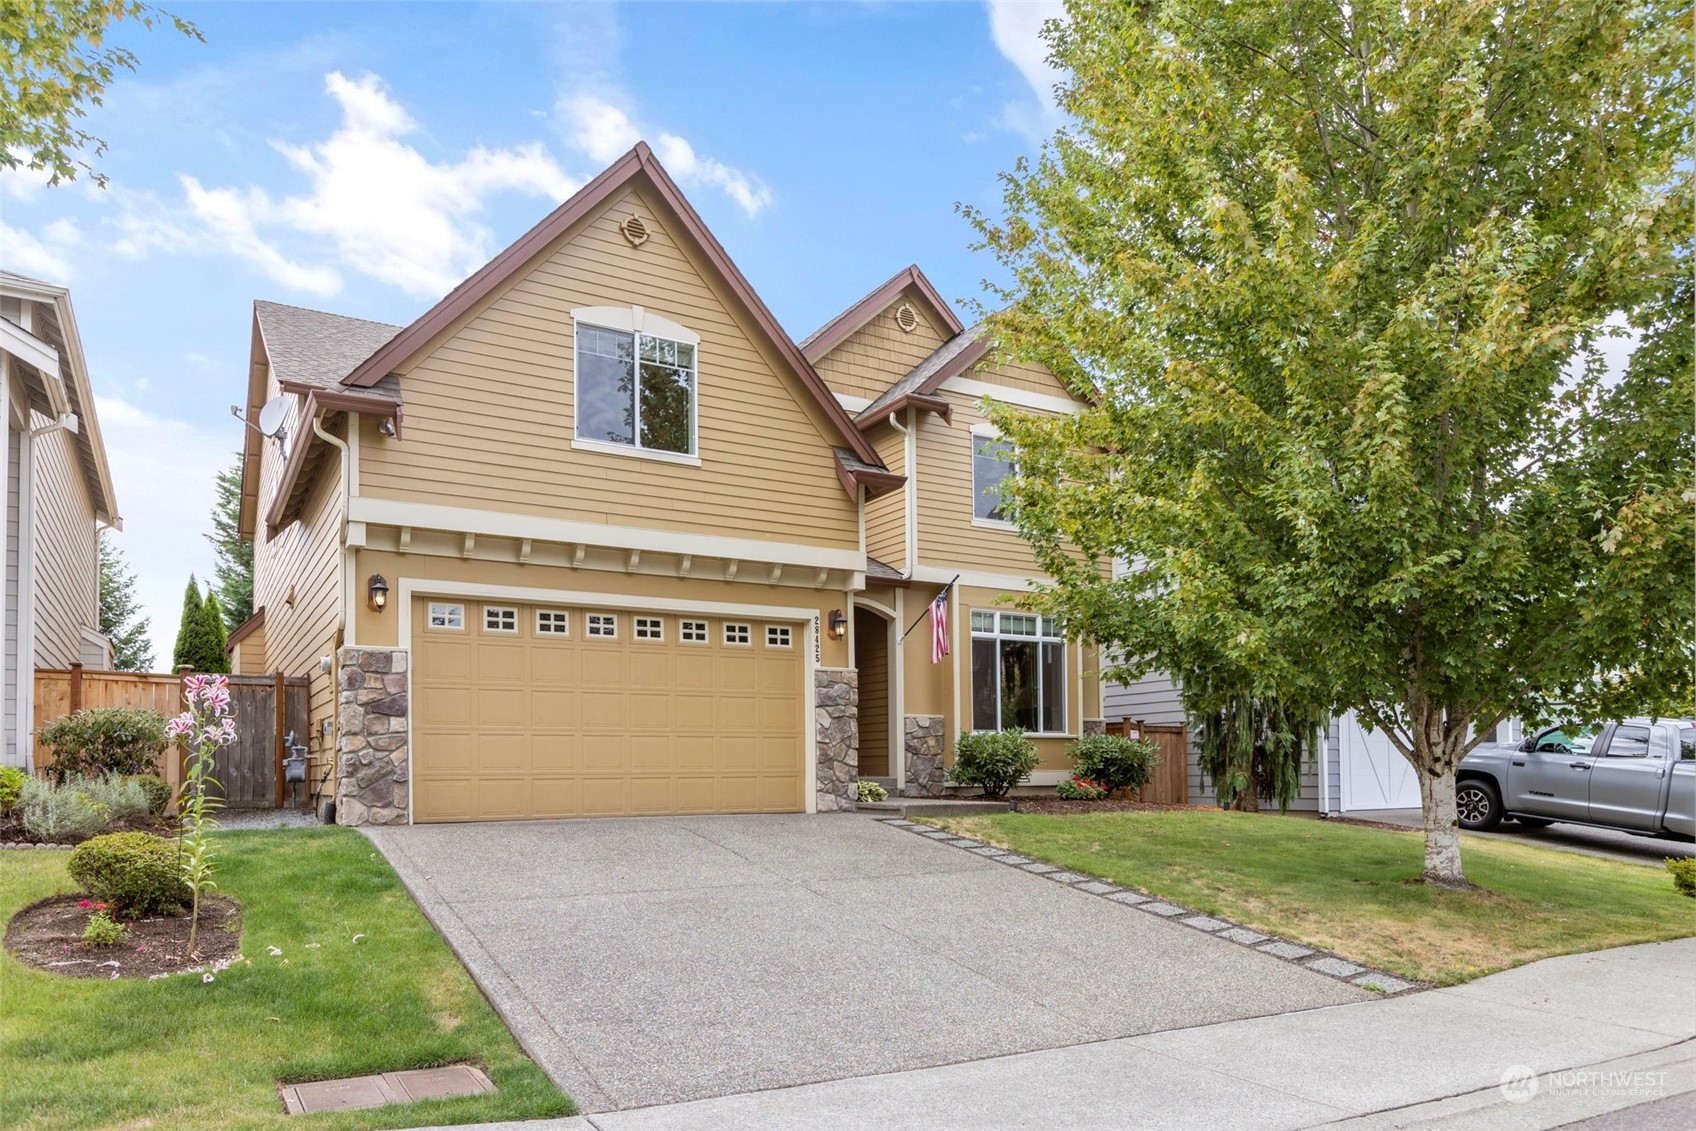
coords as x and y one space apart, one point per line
1533 822
1479 805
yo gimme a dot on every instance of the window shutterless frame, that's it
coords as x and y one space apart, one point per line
991 634
640 327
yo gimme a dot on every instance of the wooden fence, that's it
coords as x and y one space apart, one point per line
267 708
1171 782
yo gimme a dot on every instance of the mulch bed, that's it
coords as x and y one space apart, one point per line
48 935
1110 805
12 831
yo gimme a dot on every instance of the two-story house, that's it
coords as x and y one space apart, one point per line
58 494
595 536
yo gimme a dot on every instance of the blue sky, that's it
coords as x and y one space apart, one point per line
362 158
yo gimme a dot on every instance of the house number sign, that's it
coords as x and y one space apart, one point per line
818 652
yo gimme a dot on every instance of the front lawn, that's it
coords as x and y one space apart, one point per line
1356 891
363 984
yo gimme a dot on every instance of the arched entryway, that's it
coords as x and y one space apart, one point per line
871 657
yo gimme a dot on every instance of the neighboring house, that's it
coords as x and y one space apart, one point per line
594 536
58 493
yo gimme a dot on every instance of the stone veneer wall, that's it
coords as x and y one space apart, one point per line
836 714
373 763
923 742
1094 726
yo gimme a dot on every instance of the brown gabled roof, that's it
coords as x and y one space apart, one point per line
834 332
639 162
919 387
313 349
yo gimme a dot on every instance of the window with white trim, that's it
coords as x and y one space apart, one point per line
650 628
778 636
445 616
1018 673
737 634
692 631
500 618
635 389
603 625
553 622
992 462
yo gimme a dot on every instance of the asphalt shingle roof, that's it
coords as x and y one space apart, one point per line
318 348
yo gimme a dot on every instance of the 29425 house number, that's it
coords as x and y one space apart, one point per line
818 651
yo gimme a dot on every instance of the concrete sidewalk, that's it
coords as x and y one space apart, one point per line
1601 1032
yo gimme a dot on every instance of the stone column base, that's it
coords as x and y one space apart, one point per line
923 741
1094 726
373 755
836 715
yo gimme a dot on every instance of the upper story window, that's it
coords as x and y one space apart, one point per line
992 461
635 388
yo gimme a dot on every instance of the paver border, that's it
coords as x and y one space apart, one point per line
1337 967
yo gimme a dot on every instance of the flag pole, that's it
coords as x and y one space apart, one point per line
940 594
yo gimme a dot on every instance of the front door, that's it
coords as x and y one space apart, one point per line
1552 779
1626 781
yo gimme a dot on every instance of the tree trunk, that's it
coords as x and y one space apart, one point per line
1442 830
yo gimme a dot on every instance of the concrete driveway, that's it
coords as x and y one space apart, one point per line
1609 843
650 961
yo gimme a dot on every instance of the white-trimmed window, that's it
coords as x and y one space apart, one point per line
635 389
553 622
692 631
650 628
1018 673
500 618
992 461
450 618
779 636
737 634
602 625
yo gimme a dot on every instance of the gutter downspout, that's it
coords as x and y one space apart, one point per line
344 621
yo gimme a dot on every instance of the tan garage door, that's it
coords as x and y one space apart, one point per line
531 711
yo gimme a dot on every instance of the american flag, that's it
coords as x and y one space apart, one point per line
939 627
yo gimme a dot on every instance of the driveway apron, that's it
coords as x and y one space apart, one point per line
650 961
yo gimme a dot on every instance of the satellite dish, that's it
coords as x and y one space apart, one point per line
273 416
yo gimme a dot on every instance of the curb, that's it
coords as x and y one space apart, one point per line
1327 963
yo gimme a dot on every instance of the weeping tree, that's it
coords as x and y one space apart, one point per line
1335 280
1252 749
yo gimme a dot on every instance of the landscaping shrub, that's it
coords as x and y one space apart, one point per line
57 813
136 874
871 791
126 799
1114 761
101 930
994 761
158 792
105 740
1683 869
1076 788
11 787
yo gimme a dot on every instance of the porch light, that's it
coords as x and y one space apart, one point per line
378 589
838 624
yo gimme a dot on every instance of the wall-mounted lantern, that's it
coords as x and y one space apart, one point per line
838 624
378 592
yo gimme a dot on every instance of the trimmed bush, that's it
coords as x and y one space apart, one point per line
1114 761
105 740
1683 869
994 761
158 792
11 787
125 798
136 874
56 813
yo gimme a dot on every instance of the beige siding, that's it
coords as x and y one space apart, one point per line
67 570
886 515
248 655
1019 375
489 410
880 353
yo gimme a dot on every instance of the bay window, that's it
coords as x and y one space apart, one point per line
1018 673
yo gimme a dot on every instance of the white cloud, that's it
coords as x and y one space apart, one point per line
604 131
44 256
21 182
163 468
1016 27
385 209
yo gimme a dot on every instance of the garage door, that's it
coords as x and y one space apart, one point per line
533 711
1375 775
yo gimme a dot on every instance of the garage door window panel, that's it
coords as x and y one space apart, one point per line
602 626
553 622
445 617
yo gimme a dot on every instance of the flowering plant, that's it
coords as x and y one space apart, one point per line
1076 788
101 930
206 726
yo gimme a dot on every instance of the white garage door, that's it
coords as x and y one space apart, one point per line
1375 775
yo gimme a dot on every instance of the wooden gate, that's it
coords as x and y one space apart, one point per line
249 770
1171 782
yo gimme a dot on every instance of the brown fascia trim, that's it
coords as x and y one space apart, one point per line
337 400
244 630
832 334
591 196
876 482
247 517
939 405
309 411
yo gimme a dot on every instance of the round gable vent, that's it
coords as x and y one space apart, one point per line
634 230
907 318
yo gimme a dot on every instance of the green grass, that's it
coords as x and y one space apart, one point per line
1356 891
180 1053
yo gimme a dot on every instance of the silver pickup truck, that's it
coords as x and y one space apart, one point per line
1638 775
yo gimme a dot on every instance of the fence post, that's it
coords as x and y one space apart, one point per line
277 735
76 688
